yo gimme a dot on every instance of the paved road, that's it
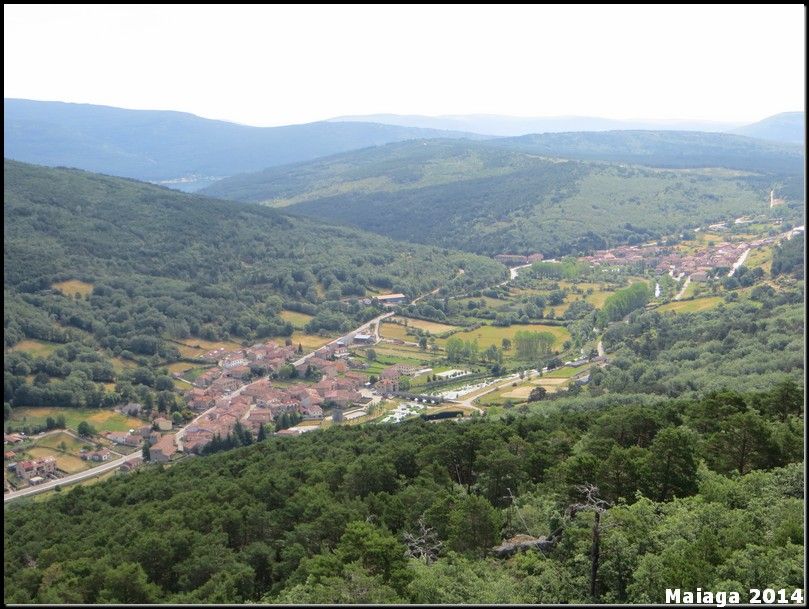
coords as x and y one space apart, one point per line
364 327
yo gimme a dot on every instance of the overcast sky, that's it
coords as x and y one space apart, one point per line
277 65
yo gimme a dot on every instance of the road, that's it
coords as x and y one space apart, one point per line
347 337
512 273
739 262
682 290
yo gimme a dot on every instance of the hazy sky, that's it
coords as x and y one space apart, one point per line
291 64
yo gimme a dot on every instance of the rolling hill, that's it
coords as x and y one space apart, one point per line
785 127
167 264
523 195
178 149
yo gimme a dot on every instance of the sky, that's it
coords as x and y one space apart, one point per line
276 65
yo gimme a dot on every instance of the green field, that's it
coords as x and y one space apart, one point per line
72 444
691 306
298 320
433 327
102 420
396 332
493 335
309 342
38 348
563 373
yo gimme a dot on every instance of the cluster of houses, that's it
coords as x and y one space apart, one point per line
229 399
667 260
517 259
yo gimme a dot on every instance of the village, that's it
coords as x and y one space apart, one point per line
274 388
677 262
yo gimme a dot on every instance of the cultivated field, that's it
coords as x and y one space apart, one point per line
432 327
396 332
691 306
493 335
73 286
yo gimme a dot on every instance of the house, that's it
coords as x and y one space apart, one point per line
96 455
388 385
233 362
9 454
12 438
38 467
390 300
238 372
363 339
128 466
163 424
127 439
162 451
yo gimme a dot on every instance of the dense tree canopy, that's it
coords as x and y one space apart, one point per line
408 513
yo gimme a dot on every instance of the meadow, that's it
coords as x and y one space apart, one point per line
691 306
102 420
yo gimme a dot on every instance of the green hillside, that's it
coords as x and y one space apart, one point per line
491 197
167 264
706 491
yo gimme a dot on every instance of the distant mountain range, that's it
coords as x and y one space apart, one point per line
175 148
784 127
187 152
497 125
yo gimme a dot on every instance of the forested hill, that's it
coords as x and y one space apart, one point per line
705 492
157 145
674 149
165 263
491 199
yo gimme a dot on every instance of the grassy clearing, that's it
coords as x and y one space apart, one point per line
67 463
74 286
37 348
691 306
72 444
180 367
494 335
298 320
309 342
120 364
102 420
396 332
195 347
563 373
430 326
